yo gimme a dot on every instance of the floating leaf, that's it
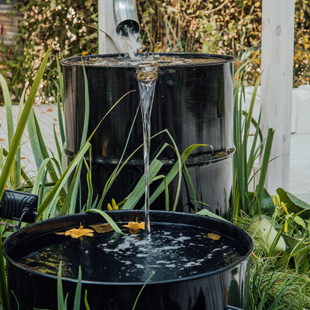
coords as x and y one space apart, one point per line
78 232
102 228
213 236
134 227
108 219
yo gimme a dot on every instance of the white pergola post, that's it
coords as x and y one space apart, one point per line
107 24
277 85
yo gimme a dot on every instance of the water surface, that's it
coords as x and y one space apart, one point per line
172 251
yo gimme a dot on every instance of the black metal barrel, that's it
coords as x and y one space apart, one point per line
221 289
194 102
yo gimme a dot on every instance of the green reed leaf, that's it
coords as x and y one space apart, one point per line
108 219
78 291
62 180
21 126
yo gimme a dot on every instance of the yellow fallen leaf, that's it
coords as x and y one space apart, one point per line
213 236
134 227
78 232
102 228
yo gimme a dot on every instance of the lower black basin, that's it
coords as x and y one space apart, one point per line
220 284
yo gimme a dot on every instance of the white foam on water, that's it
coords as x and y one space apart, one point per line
169 248
162 262
182 239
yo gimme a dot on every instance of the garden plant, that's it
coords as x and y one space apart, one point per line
279 224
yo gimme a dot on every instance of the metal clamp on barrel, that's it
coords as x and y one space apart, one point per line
19 206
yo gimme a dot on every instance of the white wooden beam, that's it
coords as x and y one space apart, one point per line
107 24
277 85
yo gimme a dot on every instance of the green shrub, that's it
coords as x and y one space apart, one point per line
214 26
302 43
220 26
60 23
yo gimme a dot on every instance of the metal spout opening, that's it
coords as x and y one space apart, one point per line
126 17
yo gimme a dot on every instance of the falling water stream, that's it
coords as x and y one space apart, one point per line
147 71
146 76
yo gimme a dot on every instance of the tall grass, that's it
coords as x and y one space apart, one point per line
246 154
273 287
9 163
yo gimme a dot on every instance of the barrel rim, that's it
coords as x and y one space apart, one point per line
69 62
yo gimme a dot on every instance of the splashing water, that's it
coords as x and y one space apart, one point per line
130 43
146 76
